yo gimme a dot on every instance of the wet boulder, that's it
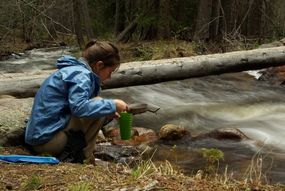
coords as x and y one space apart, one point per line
172 132
274 75
145 135
13 116
117 153
223 133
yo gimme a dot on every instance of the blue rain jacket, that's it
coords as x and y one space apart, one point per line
67 92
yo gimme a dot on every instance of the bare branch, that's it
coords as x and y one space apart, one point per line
245 16
45 15
47 30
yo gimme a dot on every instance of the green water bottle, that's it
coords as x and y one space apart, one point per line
125 123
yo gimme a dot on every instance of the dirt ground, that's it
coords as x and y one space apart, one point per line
68 176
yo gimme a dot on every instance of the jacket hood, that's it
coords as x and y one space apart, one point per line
66 60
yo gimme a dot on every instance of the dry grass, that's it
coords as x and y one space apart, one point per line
146 175
153 50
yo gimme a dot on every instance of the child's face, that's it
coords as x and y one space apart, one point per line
105 72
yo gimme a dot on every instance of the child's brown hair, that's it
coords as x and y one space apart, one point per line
106 52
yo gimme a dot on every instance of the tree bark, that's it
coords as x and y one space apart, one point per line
164 18
77 23
203 20
214 25
86 19
150 10
254 19
119 17
154 71
228 16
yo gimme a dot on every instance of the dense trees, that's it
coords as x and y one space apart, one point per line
34 21
42 21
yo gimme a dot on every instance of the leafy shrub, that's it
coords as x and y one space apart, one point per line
212 157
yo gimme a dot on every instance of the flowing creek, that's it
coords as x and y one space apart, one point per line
201 105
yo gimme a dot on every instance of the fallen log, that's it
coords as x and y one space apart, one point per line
21 85
154 71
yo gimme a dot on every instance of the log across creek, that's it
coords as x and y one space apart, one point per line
155 71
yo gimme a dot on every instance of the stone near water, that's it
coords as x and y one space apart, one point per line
13 116
275 75
173 132
117 153
145 135
223 133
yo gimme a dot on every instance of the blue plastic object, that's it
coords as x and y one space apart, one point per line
28 159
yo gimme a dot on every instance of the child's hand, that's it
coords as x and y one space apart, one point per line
121 105
116 115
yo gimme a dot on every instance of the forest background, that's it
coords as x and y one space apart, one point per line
215 25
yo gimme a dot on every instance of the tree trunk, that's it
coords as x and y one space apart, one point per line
179 8
149 30
274 17
119 17
242 19
203 20
86 19
254 19
154 71
228 16
164 19
77 23
214 25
